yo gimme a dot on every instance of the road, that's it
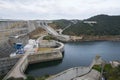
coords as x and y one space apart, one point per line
65 28
53 32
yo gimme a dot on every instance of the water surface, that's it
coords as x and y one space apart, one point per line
77 54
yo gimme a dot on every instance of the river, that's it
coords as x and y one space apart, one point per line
77 54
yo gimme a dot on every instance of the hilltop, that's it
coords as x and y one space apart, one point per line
97 25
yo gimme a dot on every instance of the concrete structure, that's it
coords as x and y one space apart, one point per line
34 24
7 63
74 21
91 22
51 31
23 62
46 43
76 38
92 75
12 31
19 68
15 27
44 56
10 28
115 63
45 26
6 49
74 73
71 73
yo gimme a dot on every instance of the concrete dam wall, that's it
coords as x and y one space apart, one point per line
12 31
7 63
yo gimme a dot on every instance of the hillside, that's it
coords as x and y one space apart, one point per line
105 25
61 23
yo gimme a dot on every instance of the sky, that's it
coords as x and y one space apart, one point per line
57 9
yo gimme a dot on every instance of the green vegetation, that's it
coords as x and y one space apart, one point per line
43 77
112 73
12 78
61 23
30 78
97 67
109 73
106 25
48 37
80 28
1 77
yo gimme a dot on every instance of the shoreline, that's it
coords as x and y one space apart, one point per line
97 38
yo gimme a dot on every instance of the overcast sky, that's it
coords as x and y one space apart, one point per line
57 9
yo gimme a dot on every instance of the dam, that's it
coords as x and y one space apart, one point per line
33 55
19 33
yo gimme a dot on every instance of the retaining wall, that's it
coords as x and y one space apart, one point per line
44 57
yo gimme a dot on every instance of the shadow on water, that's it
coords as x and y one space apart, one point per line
42 65
63 54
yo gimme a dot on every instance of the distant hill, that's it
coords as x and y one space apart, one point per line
62 23
96 25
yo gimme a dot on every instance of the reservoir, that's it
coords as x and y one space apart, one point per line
77 54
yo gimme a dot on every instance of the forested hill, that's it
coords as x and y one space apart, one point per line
97 25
